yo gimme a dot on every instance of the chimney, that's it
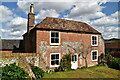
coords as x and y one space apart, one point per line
31 18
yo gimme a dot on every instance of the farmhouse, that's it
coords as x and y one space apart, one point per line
54 37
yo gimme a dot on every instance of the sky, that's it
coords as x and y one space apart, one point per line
99 14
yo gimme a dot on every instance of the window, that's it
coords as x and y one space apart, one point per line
94 40
54 59
74 58
54 38
94 55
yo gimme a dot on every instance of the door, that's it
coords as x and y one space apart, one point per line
74 62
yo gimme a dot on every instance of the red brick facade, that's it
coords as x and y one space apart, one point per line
65 37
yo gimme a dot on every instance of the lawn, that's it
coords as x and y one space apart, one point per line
92 72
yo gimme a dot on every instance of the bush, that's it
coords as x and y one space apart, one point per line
39 73
13 72
65 63
115 63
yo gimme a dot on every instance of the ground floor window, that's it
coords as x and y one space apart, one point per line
94 55
54 59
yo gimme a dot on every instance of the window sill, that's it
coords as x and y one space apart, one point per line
94 45
94 60
54 44
54 65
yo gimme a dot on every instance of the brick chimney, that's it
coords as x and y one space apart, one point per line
31 18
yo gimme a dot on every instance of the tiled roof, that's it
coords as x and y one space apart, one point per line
63 24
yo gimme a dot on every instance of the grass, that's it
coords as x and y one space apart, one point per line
92 72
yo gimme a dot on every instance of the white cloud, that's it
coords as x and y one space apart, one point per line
106 20
86 8
15 28
115 15
17 21
46 13
57 5
5 14
109 32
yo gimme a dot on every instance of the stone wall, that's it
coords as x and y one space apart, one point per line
32 58
23 60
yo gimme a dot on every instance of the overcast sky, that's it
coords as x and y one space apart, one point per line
103 16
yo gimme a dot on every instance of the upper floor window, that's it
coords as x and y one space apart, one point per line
94 40
54 38
94 55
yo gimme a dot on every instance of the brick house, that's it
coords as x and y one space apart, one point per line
54 37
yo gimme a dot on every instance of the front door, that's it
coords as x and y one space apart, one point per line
74 62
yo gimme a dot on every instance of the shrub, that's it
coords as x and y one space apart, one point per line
115 63
13 72
65 63
39 73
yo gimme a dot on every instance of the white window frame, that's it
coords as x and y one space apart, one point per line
59 60
92 55
92 40
58 41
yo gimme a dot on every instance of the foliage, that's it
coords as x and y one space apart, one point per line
13 72
39 73
65 63
113 62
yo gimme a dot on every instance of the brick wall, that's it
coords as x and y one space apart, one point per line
73 39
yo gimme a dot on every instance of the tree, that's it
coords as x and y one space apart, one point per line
85 53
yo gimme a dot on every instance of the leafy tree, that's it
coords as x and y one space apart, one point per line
13 72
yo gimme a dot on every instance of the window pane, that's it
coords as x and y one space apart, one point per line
72 57
52 57
52 34
52 40
57 56
52 62
75 57
95 38
95 42
56 40
95 57
57 62
57 34
92 37
92 57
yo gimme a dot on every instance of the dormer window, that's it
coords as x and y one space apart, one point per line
94 40
54 38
